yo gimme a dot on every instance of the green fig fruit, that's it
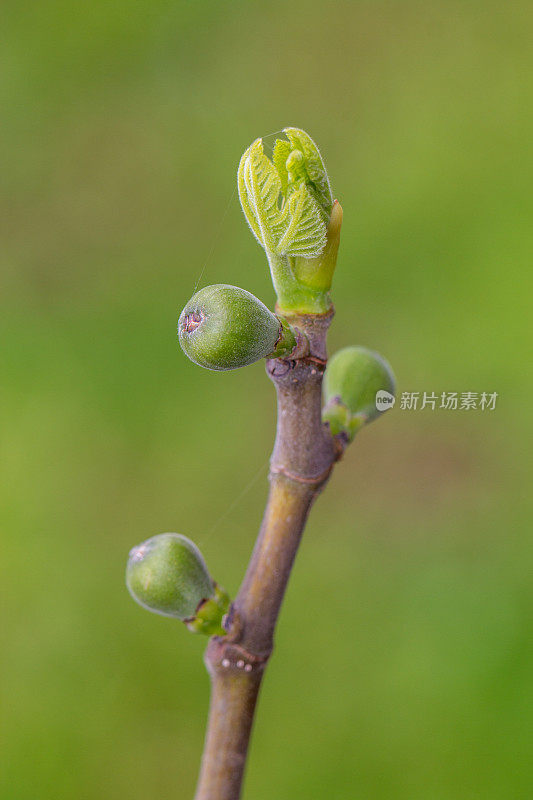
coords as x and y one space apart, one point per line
168 575
224 327
359 386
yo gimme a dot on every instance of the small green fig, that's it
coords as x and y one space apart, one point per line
168 575
358 386
223 327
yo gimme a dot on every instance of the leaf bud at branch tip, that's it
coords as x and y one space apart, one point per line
223 327
288 204
168 575
354 378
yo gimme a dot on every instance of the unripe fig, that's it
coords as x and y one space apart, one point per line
223 327
353 379
168 575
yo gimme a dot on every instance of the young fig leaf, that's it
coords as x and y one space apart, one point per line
305 233
283 226
259 187
313 165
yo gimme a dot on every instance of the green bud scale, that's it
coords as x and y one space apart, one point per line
168 575
224 327
354 376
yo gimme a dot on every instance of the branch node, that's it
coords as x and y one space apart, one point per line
225 656
318 480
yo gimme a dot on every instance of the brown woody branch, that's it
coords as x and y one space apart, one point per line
303 456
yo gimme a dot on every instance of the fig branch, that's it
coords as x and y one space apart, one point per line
302 459
288 204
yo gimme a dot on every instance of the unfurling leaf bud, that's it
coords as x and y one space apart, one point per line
358 387
288 204
223 327
168 575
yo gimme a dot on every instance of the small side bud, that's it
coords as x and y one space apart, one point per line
168 575
353 379
224 327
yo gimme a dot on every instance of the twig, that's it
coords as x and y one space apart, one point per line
303 456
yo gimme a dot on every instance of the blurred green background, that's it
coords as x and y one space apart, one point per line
404 661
